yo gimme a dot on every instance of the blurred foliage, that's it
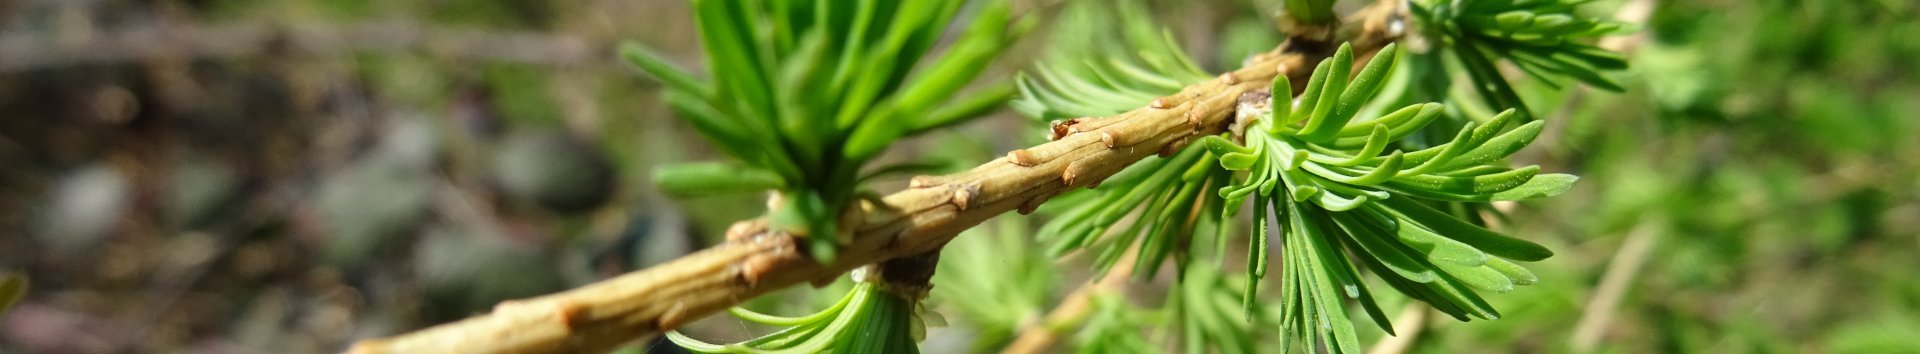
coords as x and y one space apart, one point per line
1546 39
1094 70
1762 146
1757 160
994 280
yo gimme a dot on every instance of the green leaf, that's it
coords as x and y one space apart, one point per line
1513 20
1519 275
1335 328
1376 143
734 61
1439 249
1454 291
704 179
1311 12
1366 84
1401 124
1238 161
1368 237
963 62
865 320
1480 277
1093 70
977 105
1323 122
1310 98
1280 99
695 345
1387 170
1430 159
673 76
1497 148
728 136
1469 185
1355 286
1257 260
1541 186
1480 238
869 139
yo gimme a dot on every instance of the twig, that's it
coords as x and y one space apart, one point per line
1599 313
1040 337
755 261
1072 311
1408 324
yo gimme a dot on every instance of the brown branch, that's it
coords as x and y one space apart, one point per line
920 219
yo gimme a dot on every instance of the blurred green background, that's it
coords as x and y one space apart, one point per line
237 176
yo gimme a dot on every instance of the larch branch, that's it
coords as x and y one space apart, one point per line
932 210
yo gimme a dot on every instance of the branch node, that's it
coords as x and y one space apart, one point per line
744 229
964 194
1165 102
1111 140
1229 78
1063 128
1021 157
757 266
1196 118
571 314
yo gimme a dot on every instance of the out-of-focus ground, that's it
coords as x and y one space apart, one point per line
235 176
